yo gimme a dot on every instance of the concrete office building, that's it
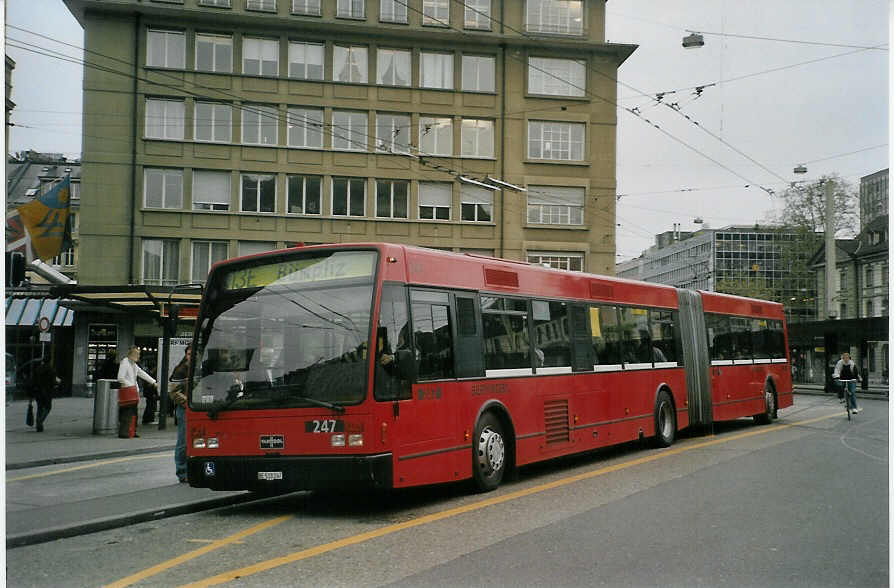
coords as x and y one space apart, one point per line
217 128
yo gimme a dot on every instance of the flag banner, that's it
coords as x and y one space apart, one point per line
17 238
46 220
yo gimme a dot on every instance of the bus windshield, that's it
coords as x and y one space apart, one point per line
291 332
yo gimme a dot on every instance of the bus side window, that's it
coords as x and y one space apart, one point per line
393 354
719 336
582 342
777 340
606 335
432 335
505 332
761 338
741 337
637 344
664 335
551 336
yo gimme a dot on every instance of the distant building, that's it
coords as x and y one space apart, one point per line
873 197
747 260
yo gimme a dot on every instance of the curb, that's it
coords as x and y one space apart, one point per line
86 457
114 522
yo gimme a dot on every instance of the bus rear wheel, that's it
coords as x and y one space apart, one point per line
489 453
769 407
665 421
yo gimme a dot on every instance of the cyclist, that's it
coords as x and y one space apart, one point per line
848 375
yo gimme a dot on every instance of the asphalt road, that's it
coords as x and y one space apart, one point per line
802 502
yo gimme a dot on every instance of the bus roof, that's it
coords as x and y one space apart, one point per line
729 304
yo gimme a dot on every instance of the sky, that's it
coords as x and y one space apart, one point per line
750 126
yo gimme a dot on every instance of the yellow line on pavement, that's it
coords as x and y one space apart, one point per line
439 516
95 464
236 538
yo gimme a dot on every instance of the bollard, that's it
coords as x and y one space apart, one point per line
105 408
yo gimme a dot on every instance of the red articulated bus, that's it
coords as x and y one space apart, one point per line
393 366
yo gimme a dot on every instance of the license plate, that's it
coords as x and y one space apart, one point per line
270 475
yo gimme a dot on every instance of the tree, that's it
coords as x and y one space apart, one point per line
804 207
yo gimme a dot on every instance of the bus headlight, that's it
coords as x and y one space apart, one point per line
213 443
355 440
338 440
198 443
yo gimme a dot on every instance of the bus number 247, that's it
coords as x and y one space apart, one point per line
324 426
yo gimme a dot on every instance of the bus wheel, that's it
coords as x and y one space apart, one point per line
489 453
665 421
769 407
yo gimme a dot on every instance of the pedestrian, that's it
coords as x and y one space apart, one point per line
177 393
847 373
42 391
128 395
151 395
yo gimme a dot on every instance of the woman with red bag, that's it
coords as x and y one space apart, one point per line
128 394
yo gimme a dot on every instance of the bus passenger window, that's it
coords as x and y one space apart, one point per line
506 341
551 334
777 340
761 338
606 335
741 337
394 357
432 337
663 325
719 337
637 344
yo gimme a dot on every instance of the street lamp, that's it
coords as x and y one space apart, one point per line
693 41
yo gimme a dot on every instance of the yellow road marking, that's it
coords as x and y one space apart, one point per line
236 538
212 541
90 465
374 534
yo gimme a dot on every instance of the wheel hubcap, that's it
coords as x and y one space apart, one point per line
664 420
770 404
491 451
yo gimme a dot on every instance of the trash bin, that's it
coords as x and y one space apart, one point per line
105 408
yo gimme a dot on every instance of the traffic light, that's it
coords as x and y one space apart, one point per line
15 269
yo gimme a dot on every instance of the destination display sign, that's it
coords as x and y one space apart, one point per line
338 266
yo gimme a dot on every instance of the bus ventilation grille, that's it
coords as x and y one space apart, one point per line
756 308
555 414
495 277
598 290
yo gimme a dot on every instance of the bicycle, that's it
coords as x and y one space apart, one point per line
847 396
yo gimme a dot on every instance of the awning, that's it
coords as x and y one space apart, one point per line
150 300
27 312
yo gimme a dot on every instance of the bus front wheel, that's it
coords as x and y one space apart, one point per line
665 421
489 453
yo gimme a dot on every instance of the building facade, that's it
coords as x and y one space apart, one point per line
747 260
230 127
873 197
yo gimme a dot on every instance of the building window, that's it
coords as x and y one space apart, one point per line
305 128
165 49
210 190
255 247
476 204
161 262
478 73
351 9
304 194
213 122
436 12
349 130
204 255
260 57
393 11
348 197
258 193
162 188
436 70
869 308
217 3
393 67
164 119
842 310
392 198
306 61
869 277
264 5
306 7
214 53
64 259
435 199
554 205
393 133
477 138
842 279
560 17
557 77
259 124
556 140
436 136
350 64
477 15
558 260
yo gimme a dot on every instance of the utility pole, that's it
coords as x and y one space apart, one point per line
831 309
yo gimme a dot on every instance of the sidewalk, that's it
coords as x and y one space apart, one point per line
37 512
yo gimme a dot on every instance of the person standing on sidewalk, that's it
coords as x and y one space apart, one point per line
177 392
847 373
128 395
44 384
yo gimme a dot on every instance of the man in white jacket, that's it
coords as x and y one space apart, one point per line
848 375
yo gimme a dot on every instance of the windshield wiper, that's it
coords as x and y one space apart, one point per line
323 403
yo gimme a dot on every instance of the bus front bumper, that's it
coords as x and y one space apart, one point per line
283 474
